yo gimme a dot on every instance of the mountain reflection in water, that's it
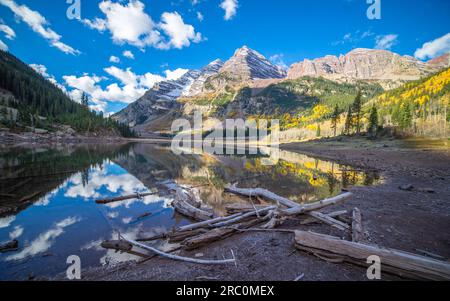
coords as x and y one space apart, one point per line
48 196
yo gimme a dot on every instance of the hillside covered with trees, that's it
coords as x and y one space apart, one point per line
29 99
418 108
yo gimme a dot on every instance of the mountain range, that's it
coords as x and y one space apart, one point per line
249 84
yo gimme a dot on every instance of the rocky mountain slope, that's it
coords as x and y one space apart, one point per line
247 64
248 84
218 78
365 64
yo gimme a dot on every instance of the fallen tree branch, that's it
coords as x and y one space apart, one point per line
403 264
318 205
208 223
188 210
259 192
312 220
219 234
329 220
243 216
176 257
124 198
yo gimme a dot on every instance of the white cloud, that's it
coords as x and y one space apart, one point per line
45 240
130 24
180 34
130 87
3 46
386 42
39 25
127 77
6 221
8 31
200 16
230 8
128 54
114 59
16 233
434 48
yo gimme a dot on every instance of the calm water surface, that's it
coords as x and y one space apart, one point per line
47 197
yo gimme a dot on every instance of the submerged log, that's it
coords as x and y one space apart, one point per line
118 245
357 231
124 198
9 246
400 263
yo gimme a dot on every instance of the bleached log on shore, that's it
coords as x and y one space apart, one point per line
220 234
293 208
312 220
403 264
176 257
240 208
244 216
263 193
188 210
318 205
329 220
208 223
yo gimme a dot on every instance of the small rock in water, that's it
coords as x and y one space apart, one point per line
407 187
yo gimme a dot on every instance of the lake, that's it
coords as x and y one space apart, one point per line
48 196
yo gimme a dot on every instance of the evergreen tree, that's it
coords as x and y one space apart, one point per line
407 117
84 100
357 105
348 121
373 121
318 133
35 96
335 119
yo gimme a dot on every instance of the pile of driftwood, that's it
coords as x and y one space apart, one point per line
250 217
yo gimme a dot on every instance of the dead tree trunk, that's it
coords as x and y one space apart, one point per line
396 262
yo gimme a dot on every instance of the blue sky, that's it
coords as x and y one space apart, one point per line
176 35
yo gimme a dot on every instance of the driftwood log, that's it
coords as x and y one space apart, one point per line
293 208
124 198
318 205
176 257
263 193
188 210
312 220
403 264
219 234
357 231
329 220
